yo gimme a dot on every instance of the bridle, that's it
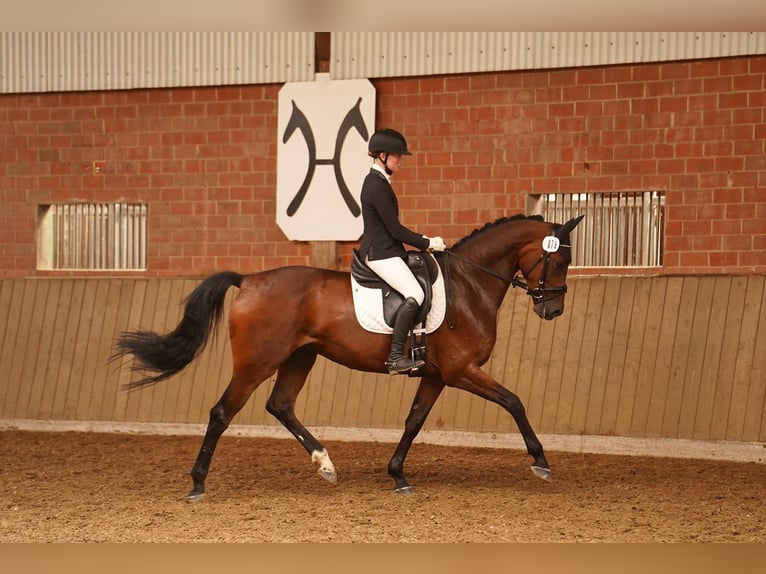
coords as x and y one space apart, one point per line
540 294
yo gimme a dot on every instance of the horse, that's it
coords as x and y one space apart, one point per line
283 318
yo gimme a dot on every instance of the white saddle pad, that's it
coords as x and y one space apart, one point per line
368 305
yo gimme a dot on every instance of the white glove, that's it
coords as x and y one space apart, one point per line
436 244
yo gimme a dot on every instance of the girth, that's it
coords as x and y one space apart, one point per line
423 267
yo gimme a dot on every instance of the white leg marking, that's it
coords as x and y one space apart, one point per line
326 467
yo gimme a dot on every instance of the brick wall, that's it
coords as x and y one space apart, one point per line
204 159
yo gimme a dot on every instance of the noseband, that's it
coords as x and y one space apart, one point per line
541 293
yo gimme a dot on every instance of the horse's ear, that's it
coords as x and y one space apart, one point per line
570 225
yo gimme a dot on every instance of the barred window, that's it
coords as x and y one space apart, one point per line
620 229
92 236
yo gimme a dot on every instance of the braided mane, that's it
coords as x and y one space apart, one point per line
496 223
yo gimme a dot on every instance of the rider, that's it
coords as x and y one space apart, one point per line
383 238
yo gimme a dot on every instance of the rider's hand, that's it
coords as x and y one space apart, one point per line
436 244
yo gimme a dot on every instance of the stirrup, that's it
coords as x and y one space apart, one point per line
403 365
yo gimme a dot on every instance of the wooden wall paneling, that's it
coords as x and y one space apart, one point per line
660 379
679 362
327 372
752 314
522 385
23 340
732 337
697 351
519 312
387 390
165 401
603 341
754 427
116 319
588 353
553 373
125 402
67 354
401 393
343 381
712 358
11 346
83 343
617 352
6 304
62 296
633 351
648 357
386 413
545 356
353 401
37 377
96 351
368 391
577 297
119 370
31 355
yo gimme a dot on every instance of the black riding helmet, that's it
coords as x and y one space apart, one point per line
388 141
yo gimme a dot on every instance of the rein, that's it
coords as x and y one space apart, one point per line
538 293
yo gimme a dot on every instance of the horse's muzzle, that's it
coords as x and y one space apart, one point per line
547 311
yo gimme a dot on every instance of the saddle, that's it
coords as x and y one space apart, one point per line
423 267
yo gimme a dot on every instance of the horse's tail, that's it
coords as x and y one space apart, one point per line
168 354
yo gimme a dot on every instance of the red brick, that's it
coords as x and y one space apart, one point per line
741 211
675 70
693 259
735 100
721 259
736 242
727 227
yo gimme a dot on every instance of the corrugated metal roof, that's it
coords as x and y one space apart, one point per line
64 61
61 61
391 54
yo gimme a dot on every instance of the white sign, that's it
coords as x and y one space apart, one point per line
323 128
551 244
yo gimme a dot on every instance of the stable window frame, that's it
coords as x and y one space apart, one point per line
621 229
92 236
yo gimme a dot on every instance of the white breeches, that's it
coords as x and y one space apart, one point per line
395 272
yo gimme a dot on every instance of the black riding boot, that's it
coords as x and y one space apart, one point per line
405 318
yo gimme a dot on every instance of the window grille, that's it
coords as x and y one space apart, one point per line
92 236
620 229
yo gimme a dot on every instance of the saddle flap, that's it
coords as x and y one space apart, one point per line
423 267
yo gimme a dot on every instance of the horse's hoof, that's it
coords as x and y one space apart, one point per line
329 475
404 491
540 472
195 496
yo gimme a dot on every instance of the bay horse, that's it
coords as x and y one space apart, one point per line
282 318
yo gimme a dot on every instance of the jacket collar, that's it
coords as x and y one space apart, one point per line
381 171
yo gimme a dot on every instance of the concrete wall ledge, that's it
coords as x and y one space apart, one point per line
611 445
